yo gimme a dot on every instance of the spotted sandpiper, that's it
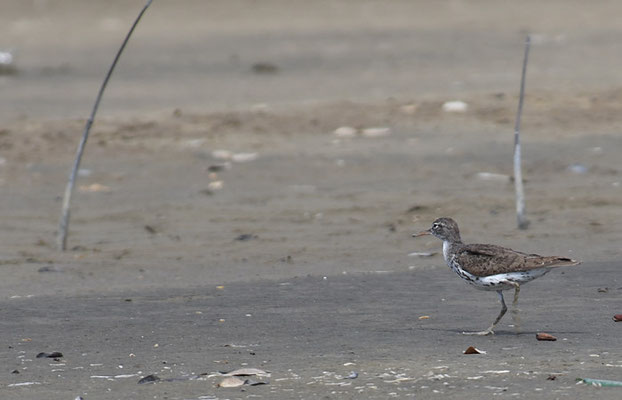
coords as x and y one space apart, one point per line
490 267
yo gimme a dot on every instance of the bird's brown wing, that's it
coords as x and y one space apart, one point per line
488 259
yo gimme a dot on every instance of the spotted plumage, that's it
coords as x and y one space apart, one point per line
491 267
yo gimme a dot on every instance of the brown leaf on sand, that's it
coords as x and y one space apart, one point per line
545 337
473 350
230 382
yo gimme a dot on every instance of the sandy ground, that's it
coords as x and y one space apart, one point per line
291 254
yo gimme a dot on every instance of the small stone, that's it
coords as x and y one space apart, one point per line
617 318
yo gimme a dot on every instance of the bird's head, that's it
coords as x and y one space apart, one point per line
445 229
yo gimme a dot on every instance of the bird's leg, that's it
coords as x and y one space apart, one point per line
490 331
515 309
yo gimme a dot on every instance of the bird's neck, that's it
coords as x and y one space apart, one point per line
447 247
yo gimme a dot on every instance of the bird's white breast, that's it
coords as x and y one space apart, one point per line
446 245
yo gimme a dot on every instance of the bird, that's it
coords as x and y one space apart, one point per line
491 267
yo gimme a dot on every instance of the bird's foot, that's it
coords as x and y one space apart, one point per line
482 333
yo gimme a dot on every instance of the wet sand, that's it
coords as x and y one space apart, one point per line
288 251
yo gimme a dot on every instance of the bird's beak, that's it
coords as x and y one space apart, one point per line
422 233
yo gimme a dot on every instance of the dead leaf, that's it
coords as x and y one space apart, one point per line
545 337
424 317
473 350
231 382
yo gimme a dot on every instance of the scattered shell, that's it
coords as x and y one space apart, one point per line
545 337
345 132
491 176
353 375
422 254
376 132
251 382
578 169
6 58
216 185
617 318
231 382
456 106
473 350
222 154
95 187
148 379
424 317
244 157
7 63
54 354
247 372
